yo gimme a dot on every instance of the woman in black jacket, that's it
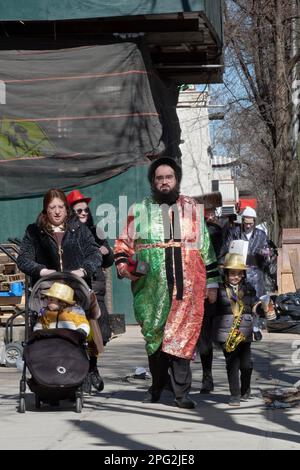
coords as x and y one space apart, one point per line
79 204
58 242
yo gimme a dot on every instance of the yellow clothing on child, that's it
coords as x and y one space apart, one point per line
72 318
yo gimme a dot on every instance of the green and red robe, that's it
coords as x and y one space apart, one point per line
169 300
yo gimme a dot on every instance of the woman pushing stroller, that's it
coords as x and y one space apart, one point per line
59 242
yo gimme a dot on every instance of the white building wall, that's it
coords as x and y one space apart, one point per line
222 172
194 123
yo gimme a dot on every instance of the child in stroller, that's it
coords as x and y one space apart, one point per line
57 357
59 314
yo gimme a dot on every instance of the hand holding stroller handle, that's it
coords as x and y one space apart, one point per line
79 272
46 272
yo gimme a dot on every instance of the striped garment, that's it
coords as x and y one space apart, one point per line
72 318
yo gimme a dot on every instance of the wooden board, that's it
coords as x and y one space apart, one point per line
4 318
12 277
288 267
290 236
4 258
285 278
294 262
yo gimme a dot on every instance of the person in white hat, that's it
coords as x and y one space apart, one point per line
258 249
249 212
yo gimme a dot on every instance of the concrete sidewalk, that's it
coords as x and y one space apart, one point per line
117 418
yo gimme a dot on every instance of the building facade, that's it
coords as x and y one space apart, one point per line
192 113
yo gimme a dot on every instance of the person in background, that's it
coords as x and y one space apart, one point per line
258 249
210 202
234 324
166 232
61 311
80 206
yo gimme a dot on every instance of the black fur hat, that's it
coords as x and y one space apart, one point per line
165 161
210 200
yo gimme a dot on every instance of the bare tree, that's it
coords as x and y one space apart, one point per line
260 36
240 136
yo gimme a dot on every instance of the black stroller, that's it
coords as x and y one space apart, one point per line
57 359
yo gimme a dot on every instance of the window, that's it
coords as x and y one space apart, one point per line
215 185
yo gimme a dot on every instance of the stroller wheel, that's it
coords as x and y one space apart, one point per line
22 405
78 405
37 402
13 352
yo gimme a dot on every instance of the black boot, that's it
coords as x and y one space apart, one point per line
207 382
94 375
185 402
151 397
96 380
245 383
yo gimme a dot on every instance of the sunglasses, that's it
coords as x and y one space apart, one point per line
79 211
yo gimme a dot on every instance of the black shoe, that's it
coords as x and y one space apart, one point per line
151 397
96 379
246 395
167 386
234 401
207 383
207 388
185 402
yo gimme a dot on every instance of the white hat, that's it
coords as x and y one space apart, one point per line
249 212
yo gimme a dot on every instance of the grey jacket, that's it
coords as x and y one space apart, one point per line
224 315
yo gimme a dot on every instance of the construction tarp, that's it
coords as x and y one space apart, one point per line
75 116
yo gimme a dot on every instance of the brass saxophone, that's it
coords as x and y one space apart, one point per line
235 336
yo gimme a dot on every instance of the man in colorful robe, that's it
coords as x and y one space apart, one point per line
168 233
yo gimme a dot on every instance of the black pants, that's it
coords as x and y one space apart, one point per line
205 344
236 361
164 367
104 321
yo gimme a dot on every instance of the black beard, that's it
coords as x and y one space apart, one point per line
166 198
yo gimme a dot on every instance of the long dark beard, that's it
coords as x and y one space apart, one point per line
166 198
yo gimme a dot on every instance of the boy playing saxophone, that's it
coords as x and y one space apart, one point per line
235 322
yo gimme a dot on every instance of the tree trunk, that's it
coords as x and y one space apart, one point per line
260 38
